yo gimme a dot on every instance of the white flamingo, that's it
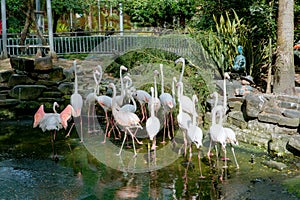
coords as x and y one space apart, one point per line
152 123
167 103
155 101
195 135
183 118
76 103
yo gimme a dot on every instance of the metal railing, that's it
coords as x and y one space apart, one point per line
98 44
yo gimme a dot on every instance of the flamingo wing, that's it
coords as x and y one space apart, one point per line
38 116
65 115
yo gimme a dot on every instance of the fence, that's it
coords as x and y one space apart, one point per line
99 44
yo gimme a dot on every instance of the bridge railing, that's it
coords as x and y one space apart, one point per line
95 44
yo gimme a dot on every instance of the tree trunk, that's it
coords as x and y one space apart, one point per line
27 25
284 77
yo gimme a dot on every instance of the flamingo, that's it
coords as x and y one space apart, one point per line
120 98
106 104
226 76
195 135
76 103
91 97
217 131
167 103
183 118
52 121
129 107
230 134
182 69
155 101
152 123
142 97
125 119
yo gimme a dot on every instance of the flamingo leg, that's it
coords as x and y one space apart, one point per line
81 132
225 163
89 107
172 124
139 142
106 128
70 130
165 124
199 163
132 136
143 112
125 136
235 160
154 143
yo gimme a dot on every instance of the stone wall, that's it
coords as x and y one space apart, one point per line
31 82
266 120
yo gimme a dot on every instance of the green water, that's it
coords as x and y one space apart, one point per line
27 170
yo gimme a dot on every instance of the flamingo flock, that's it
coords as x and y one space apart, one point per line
121 113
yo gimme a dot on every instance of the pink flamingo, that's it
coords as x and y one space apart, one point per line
52 121
125 119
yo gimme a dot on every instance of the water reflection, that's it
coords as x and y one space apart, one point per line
26 170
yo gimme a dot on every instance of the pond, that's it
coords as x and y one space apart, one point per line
92 170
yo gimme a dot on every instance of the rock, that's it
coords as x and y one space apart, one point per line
288 105
22 64
47 83
257 138
274 164
4 76
43 63
17 79
277 145
27 92
278 119
236 118
235 103
289 98
66 88
254 104
9 102
268 117
56 74
293 144
291 113
50 94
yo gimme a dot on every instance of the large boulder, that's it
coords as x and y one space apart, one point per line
4 76
19 79
43 63
27 92
22 64
254 104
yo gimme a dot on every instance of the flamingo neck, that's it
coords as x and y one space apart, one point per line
54 107
155 87
225 95
162 79
173 88
122 84
152 102
76 81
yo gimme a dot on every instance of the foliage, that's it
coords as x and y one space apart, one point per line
222 44
160 13
15 18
